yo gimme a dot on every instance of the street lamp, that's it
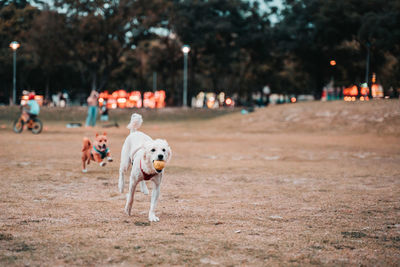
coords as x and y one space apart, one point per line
333 64
185 50
14 46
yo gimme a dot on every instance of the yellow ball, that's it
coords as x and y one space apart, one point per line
159 165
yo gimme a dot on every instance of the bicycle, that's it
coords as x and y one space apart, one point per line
33 124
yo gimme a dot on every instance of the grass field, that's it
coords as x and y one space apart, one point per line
298 184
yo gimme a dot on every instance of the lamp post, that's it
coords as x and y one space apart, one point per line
14 46
367 63
333 64
185 50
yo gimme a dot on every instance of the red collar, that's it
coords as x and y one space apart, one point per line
145 175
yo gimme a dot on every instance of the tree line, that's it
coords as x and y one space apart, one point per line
80 45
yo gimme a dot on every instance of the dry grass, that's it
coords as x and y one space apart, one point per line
240 190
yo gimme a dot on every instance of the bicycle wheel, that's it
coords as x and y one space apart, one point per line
37 126
18 125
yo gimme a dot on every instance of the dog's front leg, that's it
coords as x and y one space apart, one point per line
129 197
109 158
143 188
154 198
99 160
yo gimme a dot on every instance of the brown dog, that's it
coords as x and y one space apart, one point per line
96 152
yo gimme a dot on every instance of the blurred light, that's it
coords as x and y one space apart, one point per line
332 62
377 90
364 90
160 98
353 98
185 49
14 45
293 100
210 100
361 98
172 36
374 77
228 101
149 100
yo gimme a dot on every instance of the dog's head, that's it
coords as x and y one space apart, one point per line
100 142
156 150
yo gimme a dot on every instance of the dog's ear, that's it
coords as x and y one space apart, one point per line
104 133
97 134
169 153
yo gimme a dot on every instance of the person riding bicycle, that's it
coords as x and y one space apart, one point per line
34 107
28 117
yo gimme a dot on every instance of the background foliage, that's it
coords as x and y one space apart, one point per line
108 45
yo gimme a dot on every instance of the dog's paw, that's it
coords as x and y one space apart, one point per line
84 170
153 218
102 164
127 211
109 159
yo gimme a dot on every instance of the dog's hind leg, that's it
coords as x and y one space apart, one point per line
143 188
123 167
130 196
84 170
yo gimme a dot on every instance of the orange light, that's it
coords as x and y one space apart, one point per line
122 93
293 100
350 91
160 98
134 100
332 62
228 101
149 100
364 91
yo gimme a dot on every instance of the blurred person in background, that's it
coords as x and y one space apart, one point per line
104 111
31 109
33 106
92 109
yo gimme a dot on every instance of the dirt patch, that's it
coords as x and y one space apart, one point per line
262 189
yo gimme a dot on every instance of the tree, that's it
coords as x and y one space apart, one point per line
16 19
229 40
104 31
312 32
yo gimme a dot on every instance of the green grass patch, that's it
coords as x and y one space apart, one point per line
78 114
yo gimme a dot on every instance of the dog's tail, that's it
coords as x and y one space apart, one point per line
136 122
86 144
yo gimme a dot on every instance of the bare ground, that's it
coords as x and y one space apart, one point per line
299 184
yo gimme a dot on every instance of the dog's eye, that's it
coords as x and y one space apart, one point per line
163 149
153 150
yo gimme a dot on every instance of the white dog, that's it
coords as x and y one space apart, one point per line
140 151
